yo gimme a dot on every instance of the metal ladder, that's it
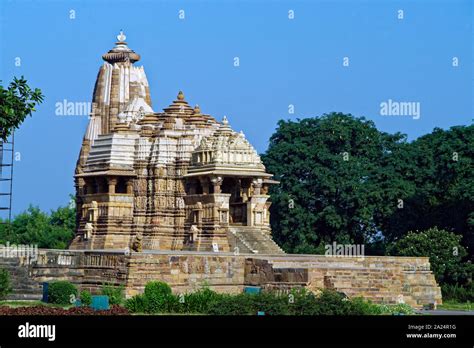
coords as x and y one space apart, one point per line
7 153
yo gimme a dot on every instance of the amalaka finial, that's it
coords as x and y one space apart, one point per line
197 109
180 95
121 37
224 120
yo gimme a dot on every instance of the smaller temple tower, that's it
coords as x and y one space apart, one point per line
171 180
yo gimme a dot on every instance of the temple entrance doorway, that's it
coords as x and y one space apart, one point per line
237 207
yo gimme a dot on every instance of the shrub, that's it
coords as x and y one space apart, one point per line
5 285
115 293
401 308
136 304
86 298
61 292
303 303
158 298
359 306
240 304
330 302
199 301
444 250
458 293
299 302
156 288
271 303
157 294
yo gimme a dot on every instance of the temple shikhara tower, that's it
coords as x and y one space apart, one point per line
171 180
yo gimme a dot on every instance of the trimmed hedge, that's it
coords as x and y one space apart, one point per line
61 292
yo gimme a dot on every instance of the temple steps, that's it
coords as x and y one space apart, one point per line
252 240
23 287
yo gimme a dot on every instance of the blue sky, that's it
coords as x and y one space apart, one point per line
282 61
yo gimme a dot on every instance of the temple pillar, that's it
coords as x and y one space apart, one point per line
129 186
112 183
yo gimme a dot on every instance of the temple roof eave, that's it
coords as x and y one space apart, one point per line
110 172
241 172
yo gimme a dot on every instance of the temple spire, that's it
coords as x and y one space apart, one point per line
121 37
121 52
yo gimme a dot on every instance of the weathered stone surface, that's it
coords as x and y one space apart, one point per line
381 279
178 178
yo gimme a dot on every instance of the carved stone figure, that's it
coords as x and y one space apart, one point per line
137 243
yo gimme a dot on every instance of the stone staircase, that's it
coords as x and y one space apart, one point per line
23 286
252 240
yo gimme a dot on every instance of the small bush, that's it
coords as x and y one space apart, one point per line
86 298
115 293
199 301
136 304
5 285
156 288
360 306
401 308
240 304
157 294
61 292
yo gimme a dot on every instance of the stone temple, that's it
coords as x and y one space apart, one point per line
171 180
179 197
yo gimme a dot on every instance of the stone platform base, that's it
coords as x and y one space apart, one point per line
381 279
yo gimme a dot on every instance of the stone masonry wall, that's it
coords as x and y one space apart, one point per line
380 279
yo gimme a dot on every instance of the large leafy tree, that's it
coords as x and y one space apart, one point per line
16 102
53 231
339 181
343 180
440 165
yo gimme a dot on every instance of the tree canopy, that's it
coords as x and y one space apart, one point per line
343 180
16 102
33 226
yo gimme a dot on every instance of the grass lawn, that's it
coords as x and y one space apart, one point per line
458 306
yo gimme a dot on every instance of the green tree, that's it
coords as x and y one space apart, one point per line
34 226
446 254
16 102
338 181
440 168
